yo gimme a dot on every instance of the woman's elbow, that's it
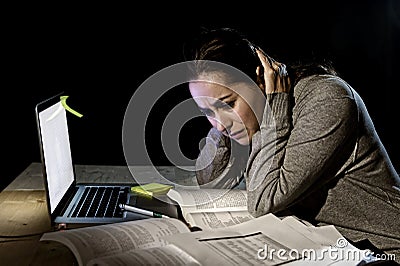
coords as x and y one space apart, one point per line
258 206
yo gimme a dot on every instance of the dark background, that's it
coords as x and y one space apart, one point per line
99 55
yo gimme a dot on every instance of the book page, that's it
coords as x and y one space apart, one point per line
244 244
209 200
216 220
103 240
162 256
327 234
267 240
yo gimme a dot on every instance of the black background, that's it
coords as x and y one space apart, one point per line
99 55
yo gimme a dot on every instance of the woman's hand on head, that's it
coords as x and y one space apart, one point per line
273 76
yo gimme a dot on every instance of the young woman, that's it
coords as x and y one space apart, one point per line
303 145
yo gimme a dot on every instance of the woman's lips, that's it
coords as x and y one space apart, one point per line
236 134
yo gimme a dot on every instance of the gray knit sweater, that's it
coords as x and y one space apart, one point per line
317 155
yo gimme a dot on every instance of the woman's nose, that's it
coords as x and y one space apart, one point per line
220 127
222 123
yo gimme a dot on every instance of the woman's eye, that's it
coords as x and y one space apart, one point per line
207 112
229 105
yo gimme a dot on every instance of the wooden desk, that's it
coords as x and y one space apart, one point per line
23 211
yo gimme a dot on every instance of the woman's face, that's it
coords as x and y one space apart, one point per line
233 111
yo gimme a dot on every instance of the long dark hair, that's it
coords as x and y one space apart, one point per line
229 46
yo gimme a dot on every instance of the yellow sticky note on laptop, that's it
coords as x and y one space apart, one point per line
151 189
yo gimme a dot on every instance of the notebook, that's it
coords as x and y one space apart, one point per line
69 202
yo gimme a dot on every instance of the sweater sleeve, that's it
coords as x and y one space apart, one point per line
221 162
298 148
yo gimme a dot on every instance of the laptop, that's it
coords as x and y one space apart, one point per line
67 201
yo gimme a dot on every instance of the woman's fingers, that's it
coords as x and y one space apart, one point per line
275 75
265 61
280 69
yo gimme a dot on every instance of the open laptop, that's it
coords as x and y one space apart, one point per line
69 202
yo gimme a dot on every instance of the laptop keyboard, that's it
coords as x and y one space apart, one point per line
101 202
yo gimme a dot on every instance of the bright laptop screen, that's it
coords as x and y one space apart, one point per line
57 152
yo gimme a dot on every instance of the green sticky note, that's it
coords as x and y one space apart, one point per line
151 189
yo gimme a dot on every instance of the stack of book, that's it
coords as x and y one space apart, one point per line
226 235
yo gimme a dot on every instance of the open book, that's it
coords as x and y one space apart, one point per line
210 209
266 240
120 241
